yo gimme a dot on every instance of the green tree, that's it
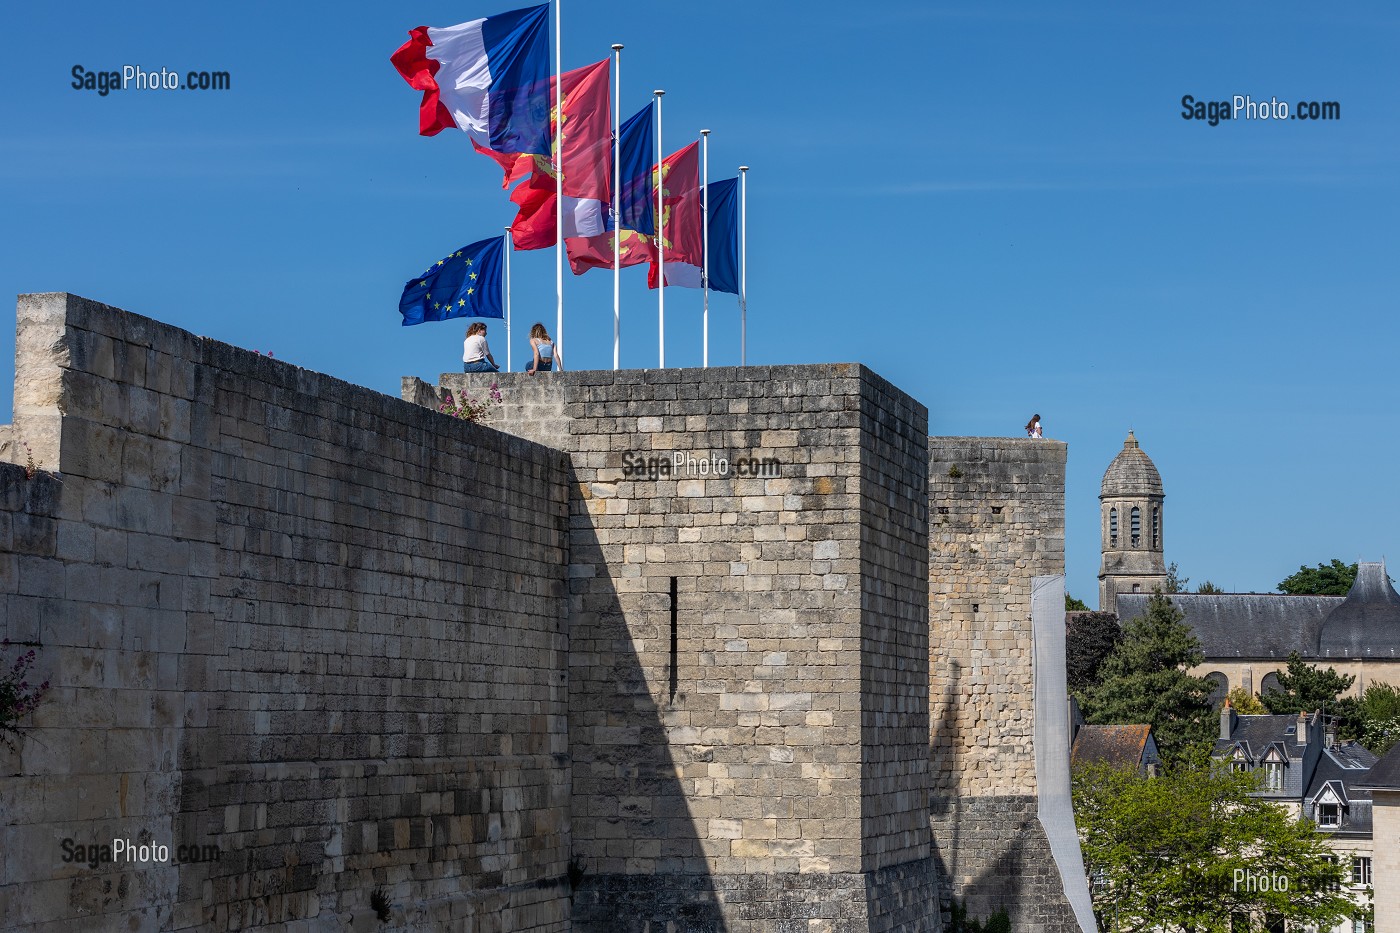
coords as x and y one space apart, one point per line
1176 853
1333 579
1208 587
1246 703
1075 605
1089 639
1175 582
1379 712
1304 688
1144 680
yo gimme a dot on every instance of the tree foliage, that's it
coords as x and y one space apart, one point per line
1176 583
1089 639
1303 688
1333 579
1075 605
1208 587
1379 712
1175 853
1246 703
1144 680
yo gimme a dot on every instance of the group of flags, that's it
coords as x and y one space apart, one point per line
491 78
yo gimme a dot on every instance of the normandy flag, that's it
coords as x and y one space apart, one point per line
466 283
682 224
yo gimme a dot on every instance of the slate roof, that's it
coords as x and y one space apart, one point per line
1246 625
1132 473
1346 765
1120 746
1385 774
1367 623
1257 733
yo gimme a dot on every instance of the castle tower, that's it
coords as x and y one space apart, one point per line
1130 526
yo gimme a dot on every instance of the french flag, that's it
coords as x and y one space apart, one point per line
488 77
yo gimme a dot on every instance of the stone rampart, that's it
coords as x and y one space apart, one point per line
312 627
748 667
996 521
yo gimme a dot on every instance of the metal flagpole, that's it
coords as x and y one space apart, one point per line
705 247
660 234
743 265
617 203
558 181
508 340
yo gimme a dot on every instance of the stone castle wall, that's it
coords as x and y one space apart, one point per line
518 677
748 680
314 627
996 521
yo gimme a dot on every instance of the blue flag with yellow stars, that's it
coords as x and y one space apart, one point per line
466 283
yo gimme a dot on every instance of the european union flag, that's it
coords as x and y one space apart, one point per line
466 283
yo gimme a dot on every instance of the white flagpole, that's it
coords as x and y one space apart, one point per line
660 234
558 181
617 203
743 265
705 248
508 340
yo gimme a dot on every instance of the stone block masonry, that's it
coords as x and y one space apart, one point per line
996 521
315 628
748 657
537 676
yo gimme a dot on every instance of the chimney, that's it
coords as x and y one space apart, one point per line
1302 729
1227 720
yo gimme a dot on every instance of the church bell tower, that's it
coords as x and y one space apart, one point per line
1130 507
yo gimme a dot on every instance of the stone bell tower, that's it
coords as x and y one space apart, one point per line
1130 526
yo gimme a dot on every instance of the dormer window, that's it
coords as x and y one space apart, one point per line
1135 526
1273 776
1112 527
1329 815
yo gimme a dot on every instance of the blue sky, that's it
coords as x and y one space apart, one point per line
1000 208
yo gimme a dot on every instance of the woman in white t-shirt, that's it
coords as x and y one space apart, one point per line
545 355
1033 426
476 355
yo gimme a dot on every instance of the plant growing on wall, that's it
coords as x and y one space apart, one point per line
18 698
468 408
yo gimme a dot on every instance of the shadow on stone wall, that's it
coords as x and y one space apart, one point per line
991 853
638 864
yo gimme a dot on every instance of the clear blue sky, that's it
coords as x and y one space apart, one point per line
1000 209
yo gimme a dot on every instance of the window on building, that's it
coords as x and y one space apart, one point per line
1358 925
1135 526
1329 815
1112 527
1361 870
1273 775
1332 860
1137 587
1239 764
1156 527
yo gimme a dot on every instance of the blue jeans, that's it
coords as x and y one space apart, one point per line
545 366
479 366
